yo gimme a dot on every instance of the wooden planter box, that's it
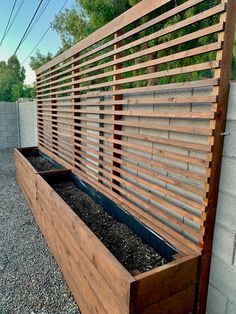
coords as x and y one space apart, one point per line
26 174
99 283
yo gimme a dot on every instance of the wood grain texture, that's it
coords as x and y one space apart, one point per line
136 109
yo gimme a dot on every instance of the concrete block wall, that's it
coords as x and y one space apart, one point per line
8 125
222 288
27 123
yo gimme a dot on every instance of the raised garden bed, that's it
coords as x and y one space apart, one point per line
100 282
25 160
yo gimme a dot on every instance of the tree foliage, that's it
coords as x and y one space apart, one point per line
77 23
39 59
88 15
12 76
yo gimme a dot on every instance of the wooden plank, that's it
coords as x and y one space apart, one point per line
81 263
155 210
140 28
228 37
155 75
75 279
146 89
89 243
153 126
154 174
149 101
161 283
167 30
134 113
160 152
116 107
178 241
142 65
155 187
131 15
187 173
179 303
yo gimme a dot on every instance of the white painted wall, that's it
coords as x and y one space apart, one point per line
27 115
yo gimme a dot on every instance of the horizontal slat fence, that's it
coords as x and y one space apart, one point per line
132 110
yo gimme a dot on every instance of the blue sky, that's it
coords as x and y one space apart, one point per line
51 41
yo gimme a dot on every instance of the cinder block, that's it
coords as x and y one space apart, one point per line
223 276
224 241
226 212
229 141
11 116
231 115
216 302
5 145
3 116
228 175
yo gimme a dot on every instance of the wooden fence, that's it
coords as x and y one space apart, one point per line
137 110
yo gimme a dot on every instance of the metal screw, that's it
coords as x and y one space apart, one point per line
225 133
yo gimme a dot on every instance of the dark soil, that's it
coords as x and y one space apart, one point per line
41 164
132 252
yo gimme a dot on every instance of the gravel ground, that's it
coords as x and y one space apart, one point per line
30 281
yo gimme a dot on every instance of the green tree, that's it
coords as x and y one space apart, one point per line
86 17
39 59
12 76
77 23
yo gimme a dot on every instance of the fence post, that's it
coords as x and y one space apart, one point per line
220 107
39 111
54 116
75 106
116 117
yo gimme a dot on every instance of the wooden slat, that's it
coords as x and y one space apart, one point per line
162 153
153 126
229 18
78 238
160 18
147 89
159 61
146 101
163 282
173 237
109 142
155 75
134 158
141 9
164 141
165 31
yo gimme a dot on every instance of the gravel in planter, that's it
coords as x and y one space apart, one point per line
132 252
30 280
41 164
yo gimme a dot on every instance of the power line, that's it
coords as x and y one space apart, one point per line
44 34
14 18
8 22
30 23
37 19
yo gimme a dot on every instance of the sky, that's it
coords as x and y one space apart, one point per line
51 41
